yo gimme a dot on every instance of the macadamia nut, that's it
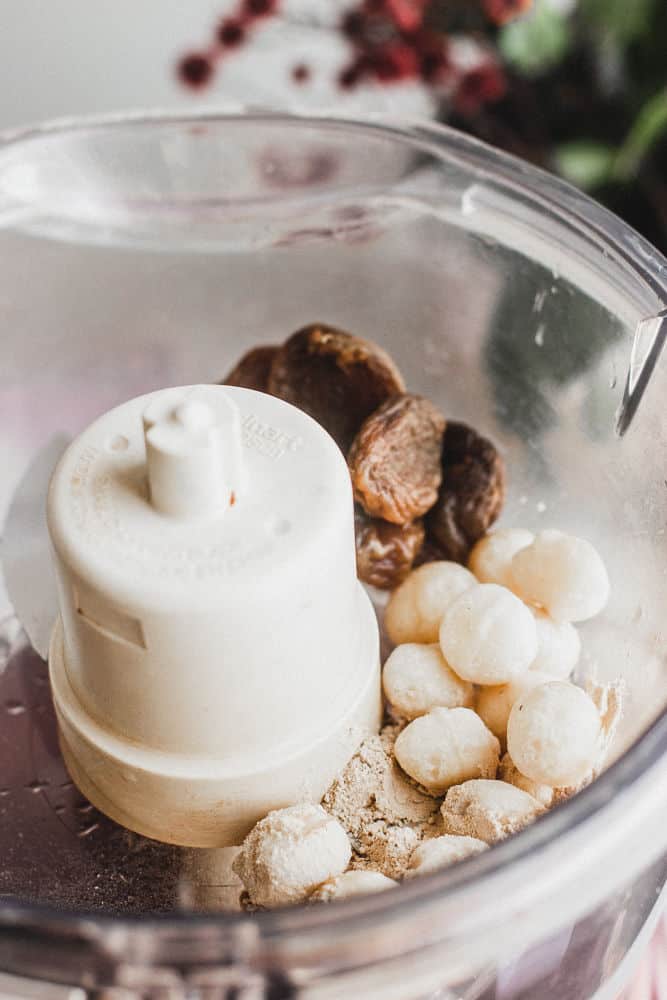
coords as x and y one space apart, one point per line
491 559
445 747
554 734
510 773
290 853
558 646
354 883
488 810
385 552
488 636
563 574
416 678
494 704
416 608
440 852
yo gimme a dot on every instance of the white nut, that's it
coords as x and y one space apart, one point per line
416 678
491 558
558 646
445 747
289 853
431 855
416 607
563 574
354 883
488 810
509 772
554 733
494 704
488 636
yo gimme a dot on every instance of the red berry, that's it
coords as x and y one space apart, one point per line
502 11
431 50
195 70
259 8
394 62
407 15
482 85
301 73
231 33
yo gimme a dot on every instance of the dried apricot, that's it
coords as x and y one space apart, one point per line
472 492
395 459
385 552
252 371
335 377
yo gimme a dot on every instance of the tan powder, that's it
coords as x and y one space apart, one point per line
384 813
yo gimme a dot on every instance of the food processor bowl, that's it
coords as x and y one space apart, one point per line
153 250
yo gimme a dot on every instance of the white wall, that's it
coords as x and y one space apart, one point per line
68 57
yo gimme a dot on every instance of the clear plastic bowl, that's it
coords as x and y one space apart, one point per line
149 251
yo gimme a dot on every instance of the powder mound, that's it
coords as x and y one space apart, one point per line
384 813
372 787
488 810
387 849
608 699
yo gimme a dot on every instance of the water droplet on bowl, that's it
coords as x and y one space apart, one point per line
539 300
14 707
37 786
86 832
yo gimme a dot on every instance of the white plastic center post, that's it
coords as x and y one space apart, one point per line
215 657
193 453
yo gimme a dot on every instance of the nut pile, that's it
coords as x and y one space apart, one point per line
425 488
487 731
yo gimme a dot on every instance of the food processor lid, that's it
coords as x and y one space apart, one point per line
142 496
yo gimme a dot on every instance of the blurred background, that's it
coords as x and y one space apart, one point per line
576 86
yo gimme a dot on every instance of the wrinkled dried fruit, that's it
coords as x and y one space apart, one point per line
472 492
385 552
336 378
429 552
395 459
252 371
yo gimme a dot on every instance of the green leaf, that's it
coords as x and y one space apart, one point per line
625 20
584 163
650 124
536 42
